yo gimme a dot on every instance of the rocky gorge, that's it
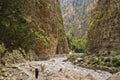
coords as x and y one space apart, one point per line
32 35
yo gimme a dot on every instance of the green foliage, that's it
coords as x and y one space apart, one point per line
76 44
1 49
79 44
70 36
117 64
15 31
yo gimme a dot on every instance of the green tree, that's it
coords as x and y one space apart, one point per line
79 45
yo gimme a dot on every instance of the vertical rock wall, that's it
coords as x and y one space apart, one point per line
104 32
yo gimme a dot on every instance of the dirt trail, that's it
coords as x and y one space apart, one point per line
53 69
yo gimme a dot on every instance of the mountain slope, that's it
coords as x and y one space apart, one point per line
76 14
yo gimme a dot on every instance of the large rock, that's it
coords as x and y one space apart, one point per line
115 77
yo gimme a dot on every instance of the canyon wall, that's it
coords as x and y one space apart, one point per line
104 30
46 20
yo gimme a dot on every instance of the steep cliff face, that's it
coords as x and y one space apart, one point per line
104 32
76 14
51 36
46 18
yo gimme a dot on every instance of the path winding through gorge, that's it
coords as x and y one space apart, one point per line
53 69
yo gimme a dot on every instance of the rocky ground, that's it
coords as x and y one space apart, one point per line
54 69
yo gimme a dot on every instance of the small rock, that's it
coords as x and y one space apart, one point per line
78 60
65 60
60 69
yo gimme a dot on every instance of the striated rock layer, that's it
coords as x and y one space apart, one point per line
104 32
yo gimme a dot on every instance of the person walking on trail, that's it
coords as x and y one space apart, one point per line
36 73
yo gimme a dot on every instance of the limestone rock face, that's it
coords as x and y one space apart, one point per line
104 32
46 18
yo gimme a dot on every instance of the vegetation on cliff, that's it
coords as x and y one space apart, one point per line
15 31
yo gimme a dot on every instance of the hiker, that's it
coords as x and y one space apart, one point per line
36 73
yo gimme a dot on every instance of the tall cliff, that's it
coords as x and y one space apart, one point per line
46 19
76 14
104 32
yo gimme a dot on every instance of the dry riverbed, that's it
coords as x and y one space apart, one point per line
53 69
